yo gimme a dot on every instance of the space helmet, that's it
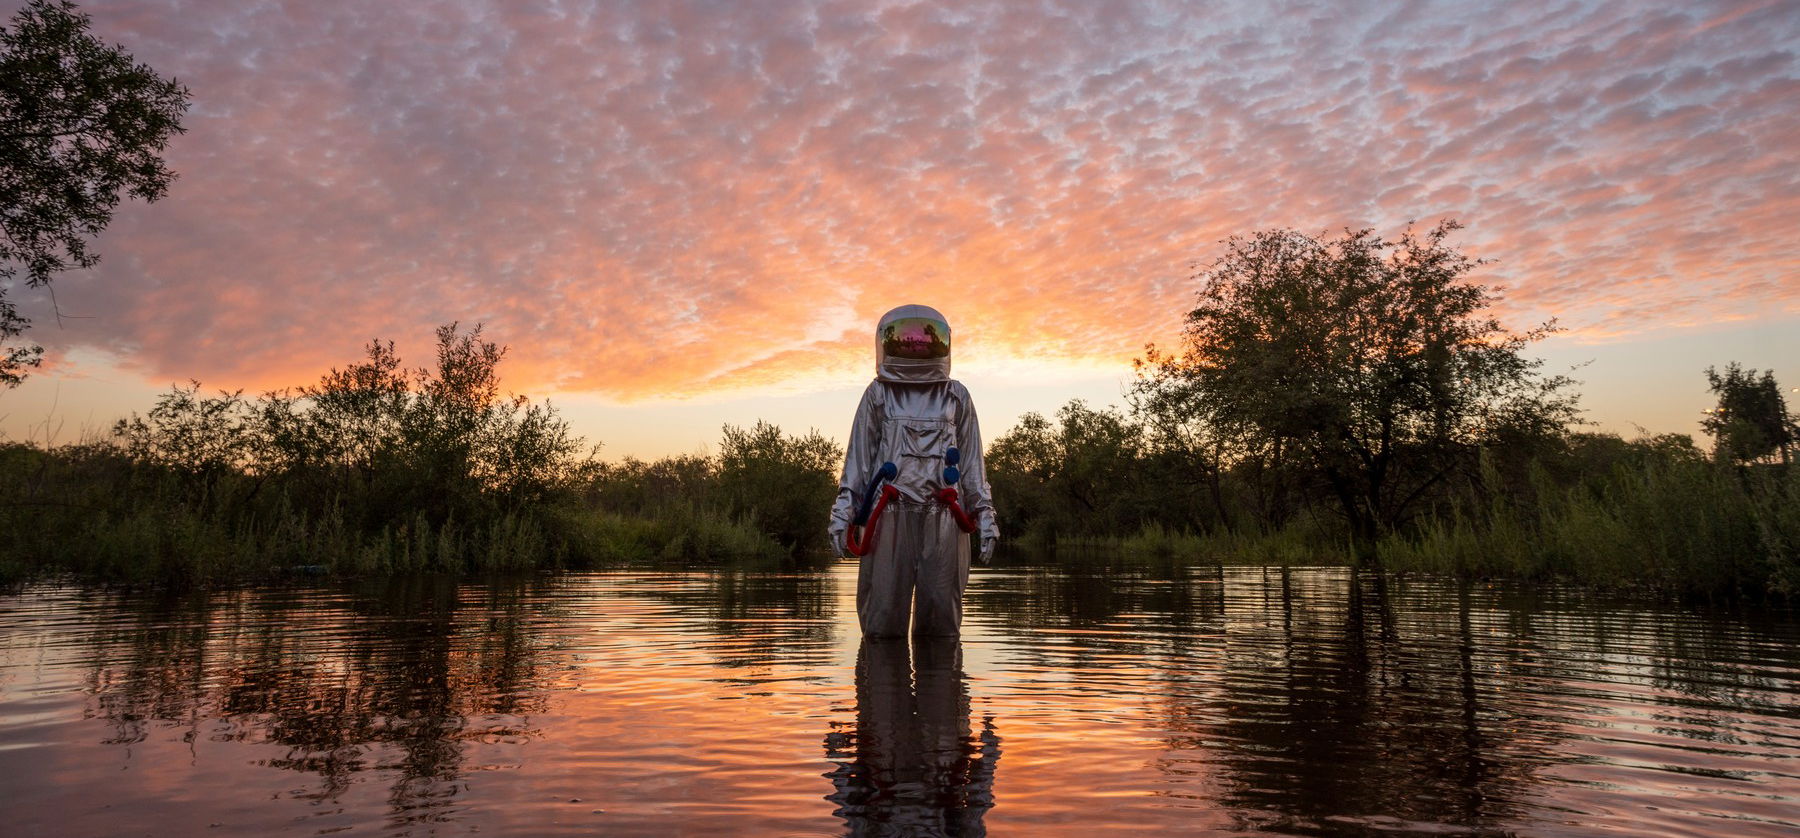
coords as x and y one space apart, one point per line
912 345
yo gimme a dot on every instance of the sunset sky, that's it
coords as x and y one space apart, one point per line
683 214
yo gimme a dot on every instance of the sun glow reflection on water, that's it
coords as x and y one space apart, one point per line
1079 701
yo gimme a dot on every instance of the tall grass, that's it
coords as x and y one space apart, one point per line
685 536
1670 524
1664 523
92 511
1302 541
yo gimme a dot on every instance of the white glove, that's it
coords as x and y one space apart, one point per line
987 551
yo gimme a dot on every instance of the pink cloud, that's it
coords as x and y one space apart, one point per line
669 198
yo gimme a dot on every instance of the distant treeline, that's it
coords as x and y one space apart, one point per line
381 469
1654 512
1331 401
1352 400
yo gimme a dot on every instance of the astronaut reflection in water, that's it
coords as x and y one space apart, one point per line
911 765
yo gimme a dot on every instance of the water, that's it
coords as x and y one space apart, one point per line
1191 701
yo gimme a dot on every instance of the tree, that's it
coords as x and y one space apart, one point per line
80 125
199 437
1751 421
779 482
440 442
1090 472
14 360
1373 362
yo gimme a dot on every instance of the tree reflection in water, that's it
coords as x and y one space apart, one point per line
397 678
1321 675
910 764
1292 700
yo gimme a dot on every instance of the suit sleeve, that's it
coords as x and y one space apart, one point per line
977 498
859 462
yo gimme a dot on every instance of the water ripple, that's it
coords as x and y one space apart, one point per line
1079 701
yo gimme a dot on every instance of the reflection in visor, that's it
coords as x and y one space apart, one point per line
920 338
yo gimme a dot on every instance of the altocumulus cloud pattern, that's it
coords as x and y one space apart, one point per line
665 198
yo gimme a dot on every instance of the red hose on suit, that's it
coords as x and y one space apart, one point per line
947 497
860 547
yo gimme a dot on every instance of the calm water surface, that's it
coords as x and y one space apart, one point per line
1101 700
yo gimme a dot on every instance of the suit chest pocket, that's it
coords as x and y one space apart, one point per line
917 446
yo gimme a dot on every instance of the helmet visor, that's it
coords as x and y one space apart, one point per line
916 338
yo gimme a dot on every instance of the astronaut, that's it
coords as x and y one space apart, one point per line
914 487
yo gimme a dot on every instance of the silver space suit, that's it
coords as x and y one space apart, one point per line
916 418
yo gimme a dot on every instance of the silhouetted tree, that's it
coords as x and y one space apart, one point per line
1751 421
196 436
80 124
440 442
1373 362
14 360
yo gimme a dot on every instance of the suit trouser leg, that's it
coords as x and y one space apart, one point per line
916 573
943 573
884 581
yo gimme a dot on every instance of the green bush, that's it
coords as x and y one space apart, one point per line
378 469
784 486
